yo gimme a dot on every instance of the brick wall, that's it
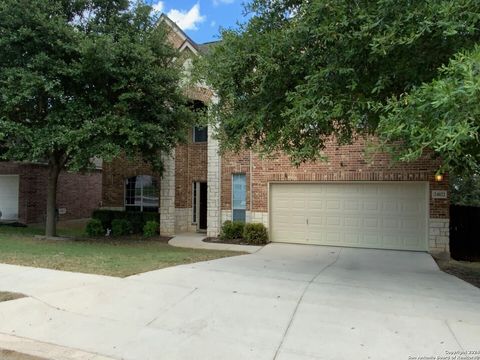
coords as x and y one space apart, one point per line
114 175
78 193
234 164
345 163
190 165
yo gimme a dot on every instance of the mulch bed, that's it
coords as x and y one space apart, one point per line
125 239
216 240
469 272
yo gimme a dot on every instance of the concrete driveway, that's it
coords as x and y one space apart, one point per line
292 302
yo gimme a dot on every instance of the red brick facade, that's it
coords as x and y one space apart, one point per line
190 166
114 175
78 193
345 163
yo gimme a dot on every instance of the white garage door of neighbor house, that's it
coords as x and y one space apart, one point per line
367 215
9 197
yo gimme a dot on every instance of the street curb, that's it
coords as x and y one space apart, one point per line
44 350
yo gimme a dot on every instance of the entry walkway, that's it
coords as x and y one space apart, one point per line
195 241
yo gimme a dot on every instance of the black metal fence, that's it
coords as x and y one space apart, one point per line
465 232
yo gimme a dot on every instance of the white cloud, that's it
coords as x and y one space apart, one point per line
187 20
218 2
158 7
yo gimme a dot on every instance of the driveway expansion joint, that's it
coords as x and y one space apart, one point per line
292 318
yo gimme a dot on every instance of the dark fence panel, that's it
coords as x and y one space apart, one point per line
465 232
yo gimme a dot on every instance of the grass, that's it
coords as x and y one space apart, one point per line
13 355
114 257
7 296
465 270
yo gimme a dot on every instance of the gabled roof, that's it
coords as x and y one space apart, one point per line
188 43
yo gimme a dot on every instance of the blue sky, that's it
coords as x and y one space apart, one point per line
201 19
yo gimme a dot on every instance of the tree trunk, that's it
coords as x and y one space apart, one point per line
51 221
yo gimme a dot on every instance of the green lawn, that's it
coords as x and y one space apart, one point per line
120 257
7 296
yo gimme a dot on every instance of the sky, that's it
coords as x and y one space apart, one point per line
201 19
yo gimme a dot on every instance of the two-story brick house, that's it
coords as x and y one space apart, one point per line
347 201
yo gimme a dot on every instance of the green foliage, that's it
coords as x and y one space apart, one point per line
443 116
232 230
94 228
465 190
137 219
121 227
151 228
255 234
84 79
74 87
301 71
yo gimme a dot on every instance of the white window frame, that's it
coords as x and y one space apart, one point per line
125 205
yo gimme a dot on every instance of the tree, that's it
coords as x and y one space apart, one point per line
299 72
85 78
465 189
442 115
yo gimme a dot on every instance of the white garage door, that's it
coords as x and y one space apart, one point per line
9 197
381 215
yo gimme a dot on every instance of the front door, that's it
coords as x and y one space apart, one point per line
202 220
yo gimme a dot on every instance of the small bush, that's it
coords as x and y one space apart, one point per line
232 230
121 227
94 228
137 219
151 228
255 234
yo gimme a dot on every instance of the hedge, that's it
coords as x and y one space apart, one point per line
232 230
137 219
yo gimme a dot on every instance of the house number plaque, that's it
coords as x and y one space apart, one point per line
439 194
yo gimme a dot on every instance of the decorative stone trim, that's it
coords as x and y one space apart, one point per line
439 236
183 220
259 217
213 182
226 215
167 196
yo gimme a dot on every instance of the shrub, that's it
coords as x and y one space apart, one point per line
121 227
232 230
94 228
255 234
151 228
137 219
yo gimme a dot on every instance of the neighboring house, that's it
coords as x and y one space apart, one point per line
23 193
347 201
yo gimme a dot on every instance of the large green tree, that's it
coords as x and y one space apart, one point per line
299 72
442 116
85 78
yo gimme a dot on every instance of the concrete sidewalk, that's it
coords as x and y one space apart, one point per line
195 241
284 302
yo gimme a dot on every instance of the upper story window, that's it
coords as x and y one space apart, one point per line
200 134
141 193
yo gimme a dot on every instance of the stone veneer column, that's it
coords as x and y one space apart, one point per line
167 195
439 240
214 185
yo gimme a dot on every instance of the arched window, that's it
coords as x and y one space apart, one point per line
141 193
